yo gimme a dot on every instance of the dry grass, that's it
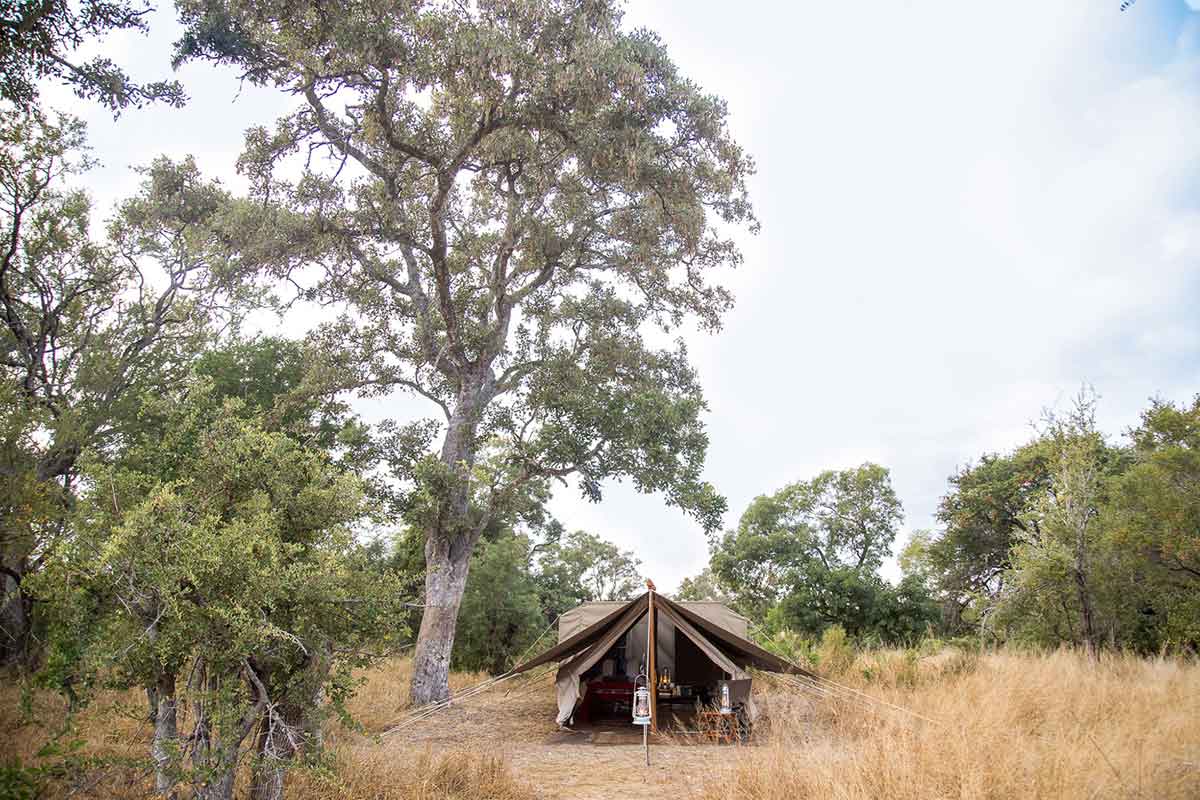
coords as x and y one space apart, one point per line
382 699
378 775
1010 725
114 762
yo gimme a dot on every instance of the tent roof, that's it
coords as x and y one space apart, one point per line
584 614
586 637
742 649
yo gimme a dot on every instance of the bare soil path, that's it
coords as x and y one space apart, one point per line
517 723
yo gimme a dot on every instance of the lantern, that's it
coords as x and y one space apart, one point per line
641 701
726 701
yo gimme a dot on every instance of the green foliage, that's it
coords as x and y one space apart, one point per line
601 178
38 41
863 604
60 758
838 522
500 615
216 548
983 514
703 586
807 557
581 567
87 325
18 782
835 653
1156 515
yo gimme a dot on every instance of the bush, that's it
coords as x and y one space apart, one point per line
787 643
18 782
835 654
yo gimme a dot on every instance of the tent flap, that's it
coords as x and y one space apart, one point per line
570 675
745 650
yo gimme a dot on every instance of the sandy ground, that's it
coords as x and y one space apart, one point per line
517 722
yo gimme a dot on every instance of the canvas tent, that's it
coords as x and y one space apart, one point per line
696 643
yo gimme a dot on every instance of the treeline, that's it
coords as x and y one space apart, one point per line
1072 538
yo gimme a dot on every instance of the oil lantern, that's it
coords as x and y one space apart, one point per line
726 701
641 701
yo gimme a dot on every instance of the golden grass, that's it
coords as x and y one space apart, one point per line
117 738
382 698
1011 726
114 728
379 775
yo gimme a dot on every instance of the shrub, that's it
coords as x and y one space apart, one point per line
835 654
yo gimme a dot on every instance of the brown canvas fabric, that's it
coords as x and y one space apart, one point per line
584 648
743 650
583 638
712 651
585 614
569 680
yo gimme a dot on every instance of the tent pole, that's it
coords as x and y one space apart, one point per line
646 743
652 644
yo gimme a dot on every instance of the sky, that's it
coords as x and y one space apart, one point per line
968 211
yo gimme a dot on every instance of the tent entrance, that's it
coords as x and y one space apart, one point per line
692 653
687 675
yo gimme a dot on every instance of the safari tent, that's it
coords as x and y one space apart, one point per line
603 647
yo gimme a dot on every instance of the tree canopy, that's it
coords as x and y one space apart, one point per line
85 323
807 557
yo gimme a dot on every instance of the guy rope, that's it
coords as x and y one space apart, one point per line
421 713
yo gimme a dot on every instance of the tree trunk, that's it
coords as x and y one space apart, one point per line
445 581
294 730
214 758
273 751
1085 607
16 607
1090 636
152 703
16 549
164 748
449 541
14 619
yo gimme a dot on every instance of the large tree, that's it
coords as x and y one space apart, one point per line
809 535
505 197
985 511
